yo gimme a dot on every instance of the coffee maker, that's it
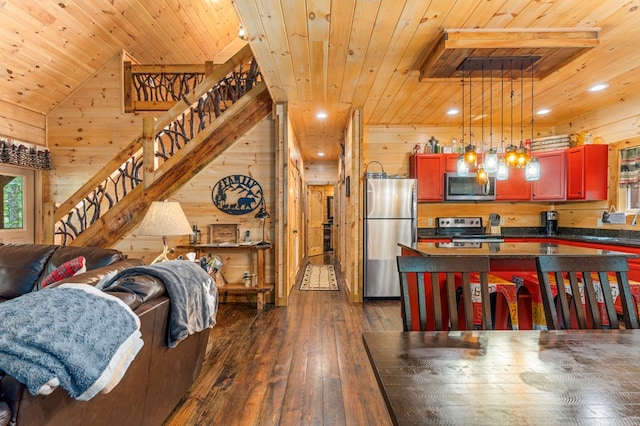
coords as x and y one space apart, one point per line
549 222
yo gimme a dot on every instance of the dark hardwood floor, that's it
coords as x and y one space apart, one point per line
300 365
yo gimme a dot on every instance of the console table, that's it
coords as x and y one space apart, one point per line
261 287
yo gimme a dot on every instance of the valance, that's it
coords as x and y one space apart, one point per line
24 155
630 167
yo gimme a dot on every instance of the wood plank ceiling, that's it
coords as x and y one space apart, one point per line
319 55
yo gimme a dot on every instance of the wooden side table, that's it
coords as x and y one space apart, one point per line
232 288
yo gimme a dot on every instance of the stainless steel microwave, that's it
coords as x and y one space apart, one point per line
466 188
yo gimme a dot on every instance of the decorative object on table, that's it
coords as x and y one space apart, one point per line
223 233
612 217
164 218
237 194
214 266
417 149
196 235
319 277
262 216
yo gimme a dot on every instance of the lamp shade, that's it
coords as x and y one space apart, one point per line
262 214
165 218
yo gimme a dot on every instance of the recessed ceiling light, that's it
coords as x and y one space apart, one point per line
321 115
598 87
242 34
544 111
321 154
452 111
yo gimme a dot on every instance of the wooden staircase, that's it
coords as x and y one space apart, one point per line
111 224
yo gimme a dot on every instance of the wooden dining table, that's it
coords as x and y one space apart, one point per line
509 378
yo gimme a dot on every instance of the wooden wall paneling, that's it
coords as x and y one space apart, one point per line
22 124
257 149
320 172
84 132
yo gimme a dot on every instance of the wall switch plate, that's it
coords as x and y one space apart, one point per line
599 223
430 221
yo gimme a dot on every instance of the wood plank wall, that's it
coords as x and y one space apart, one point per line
88 128
22 124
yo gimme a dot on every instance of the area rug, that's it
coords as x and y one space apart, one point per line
319 277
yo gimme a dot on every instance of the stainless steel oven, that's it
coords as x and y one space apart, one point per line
466 188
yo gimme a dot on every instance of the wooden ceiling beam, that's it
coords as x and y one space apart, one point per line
555 47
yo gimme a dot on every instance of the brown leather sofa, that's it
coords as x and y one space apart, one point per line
155 381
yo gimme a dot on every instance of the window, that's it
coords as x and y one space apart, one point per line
12 189
17 192
630 177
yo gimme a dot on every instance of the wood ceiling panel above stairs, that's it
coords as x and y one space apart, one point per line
125 216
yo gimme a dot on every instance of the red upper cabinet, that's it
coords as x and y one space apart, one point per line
587 168
552 183
428 169
516 188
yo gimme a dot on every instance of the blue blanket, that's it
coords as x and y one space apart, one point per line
193 295
73 336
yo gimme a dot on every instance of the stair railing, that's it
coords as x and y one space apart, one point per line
159 141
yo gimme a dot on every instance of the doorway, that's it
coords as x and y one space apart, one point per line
320 208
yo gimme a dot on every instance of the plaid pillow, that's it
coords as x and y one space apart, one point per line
67 269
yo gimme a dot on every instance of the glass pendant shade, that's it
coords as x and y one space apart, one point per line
491 161
470 156
462 167
482 177
511 156
532 170
522 157
502 172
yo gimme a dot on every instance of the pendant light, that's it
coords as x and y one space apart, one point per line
511 156
461 166
470 156
491 157
523 157
502 171
532 169
482 176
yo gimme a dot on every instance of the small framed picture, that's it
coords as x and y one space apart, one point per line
447 150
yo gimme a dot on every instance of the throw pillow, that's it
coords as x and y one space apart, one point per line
67 269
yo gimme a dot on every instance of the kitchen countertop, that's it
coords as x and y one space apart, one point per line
598 236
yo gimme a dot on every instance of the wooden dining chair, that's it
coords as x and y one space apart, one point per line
420 291
577 270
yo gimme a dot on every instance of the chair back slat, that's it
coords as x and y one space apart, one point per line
424 296
578 270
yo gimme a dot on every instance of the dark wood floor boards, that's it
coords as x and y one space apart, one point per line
300 365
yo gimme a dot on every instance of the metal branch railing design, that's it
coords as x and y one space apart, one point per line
165 86
168 141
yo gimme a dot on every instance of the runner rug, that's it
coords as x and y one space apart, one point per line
319 277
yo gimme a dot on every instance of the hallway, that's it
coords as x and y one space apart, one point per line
300 365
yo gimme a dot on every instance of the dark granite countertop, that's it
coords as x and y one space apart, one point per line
587 235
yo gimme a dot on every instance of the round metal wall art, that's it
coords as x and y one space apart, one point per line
237 194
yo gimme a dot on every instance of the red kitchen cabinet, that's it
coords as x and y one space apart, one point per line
516 188
451 163
552 183
587 168
428 169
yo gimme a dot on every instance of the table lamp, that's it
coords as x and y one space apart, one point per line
262 215
164 218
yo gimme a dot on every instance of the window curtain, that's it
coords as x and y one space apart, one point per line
630 167
19 154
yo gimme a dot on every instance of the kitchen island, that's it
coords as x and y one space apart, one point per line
506 256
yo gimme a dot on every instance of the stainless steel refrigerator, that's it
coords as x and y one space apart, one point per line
391 211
